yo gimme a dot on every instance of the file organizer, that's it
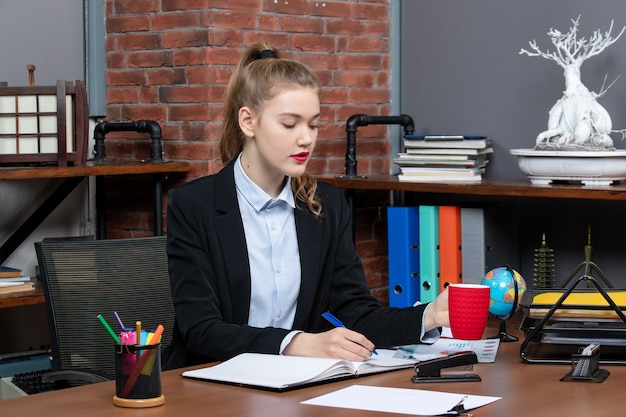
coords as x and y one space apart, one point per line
429 253
404 261
577 318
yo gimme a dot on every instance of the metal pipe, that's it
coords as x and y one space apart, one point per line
156 155
141 126
352 125
357 120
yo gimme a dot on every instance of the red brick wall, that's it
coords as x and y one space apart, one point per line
170 60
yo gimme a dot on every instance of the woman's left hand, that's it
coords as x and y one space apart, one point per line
436 314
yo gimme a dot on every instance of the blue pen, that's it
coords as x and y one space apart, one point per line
337 323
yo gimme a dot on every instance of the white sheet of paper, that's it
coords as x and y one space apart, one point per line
398 400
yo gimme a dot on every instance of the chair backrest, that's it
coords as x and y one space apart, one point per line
85 278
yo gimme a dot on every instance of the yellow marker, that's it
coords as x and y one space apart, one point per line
138 332
152 340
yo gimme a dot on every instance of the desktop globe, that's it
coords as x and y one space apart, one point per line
506 289
502 281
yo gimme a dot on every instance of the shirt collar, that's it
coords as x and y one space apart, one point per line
254 195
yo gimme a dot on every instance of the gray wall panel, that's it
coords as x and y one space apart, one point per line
461 70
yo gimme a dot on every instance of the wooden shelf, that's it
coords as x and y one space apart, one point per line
17 299
499 188
107 167
93 169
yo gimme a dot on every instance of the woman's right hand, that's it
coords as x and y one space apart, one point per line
338 343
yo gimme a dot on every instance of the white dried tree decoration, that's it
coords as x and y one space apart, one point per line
576 121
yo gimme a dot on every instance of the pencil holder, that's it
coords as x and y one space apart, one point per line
138 376
586 367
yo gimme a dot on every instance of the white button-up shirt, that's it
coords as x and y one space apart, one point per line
272 243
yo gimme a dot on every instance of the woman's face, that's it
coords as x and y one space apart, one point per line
281 136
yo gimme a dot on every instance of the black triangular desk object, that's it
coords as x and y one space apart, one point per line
430 370
535 330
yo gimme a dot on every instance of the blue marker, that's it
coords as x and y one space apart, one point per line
337 323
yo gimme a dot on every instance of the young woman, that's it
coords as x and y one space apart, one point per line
258 251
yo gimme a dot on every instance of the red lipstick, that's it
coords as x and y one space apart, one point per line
301 157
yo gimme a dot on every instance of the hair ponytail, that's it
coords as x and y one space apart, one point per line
260 72
232 138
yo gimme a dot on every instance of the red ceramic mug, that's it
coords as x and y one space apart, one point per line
468 309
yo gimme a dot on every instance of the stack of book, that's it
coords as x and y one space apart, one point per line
12 280
444 158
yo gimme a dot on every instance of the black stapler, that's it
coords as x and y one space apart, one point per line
430 370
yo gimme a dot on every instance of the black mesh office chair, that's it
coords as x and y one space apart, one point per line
85 278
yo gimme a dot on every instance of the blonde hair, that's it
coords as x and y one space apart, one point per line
259 76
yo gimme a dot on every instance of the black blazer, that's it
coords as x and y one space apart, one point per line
210 276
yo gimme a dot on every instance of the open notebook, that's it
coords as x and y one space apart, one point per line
281 373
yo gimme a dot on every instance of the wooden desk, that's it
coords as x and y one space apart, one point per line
526 390
72 176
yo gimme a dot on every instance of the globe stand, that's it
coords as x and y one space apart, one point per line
502 334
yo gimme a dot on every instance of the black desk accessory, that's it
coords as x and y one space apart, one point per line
430 370
585 366
535 329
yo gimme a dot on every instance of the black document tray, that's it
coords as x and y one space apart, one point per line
553 332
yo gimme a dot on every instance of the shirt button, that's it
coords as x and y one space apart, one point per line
279 314
273 226
278 269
